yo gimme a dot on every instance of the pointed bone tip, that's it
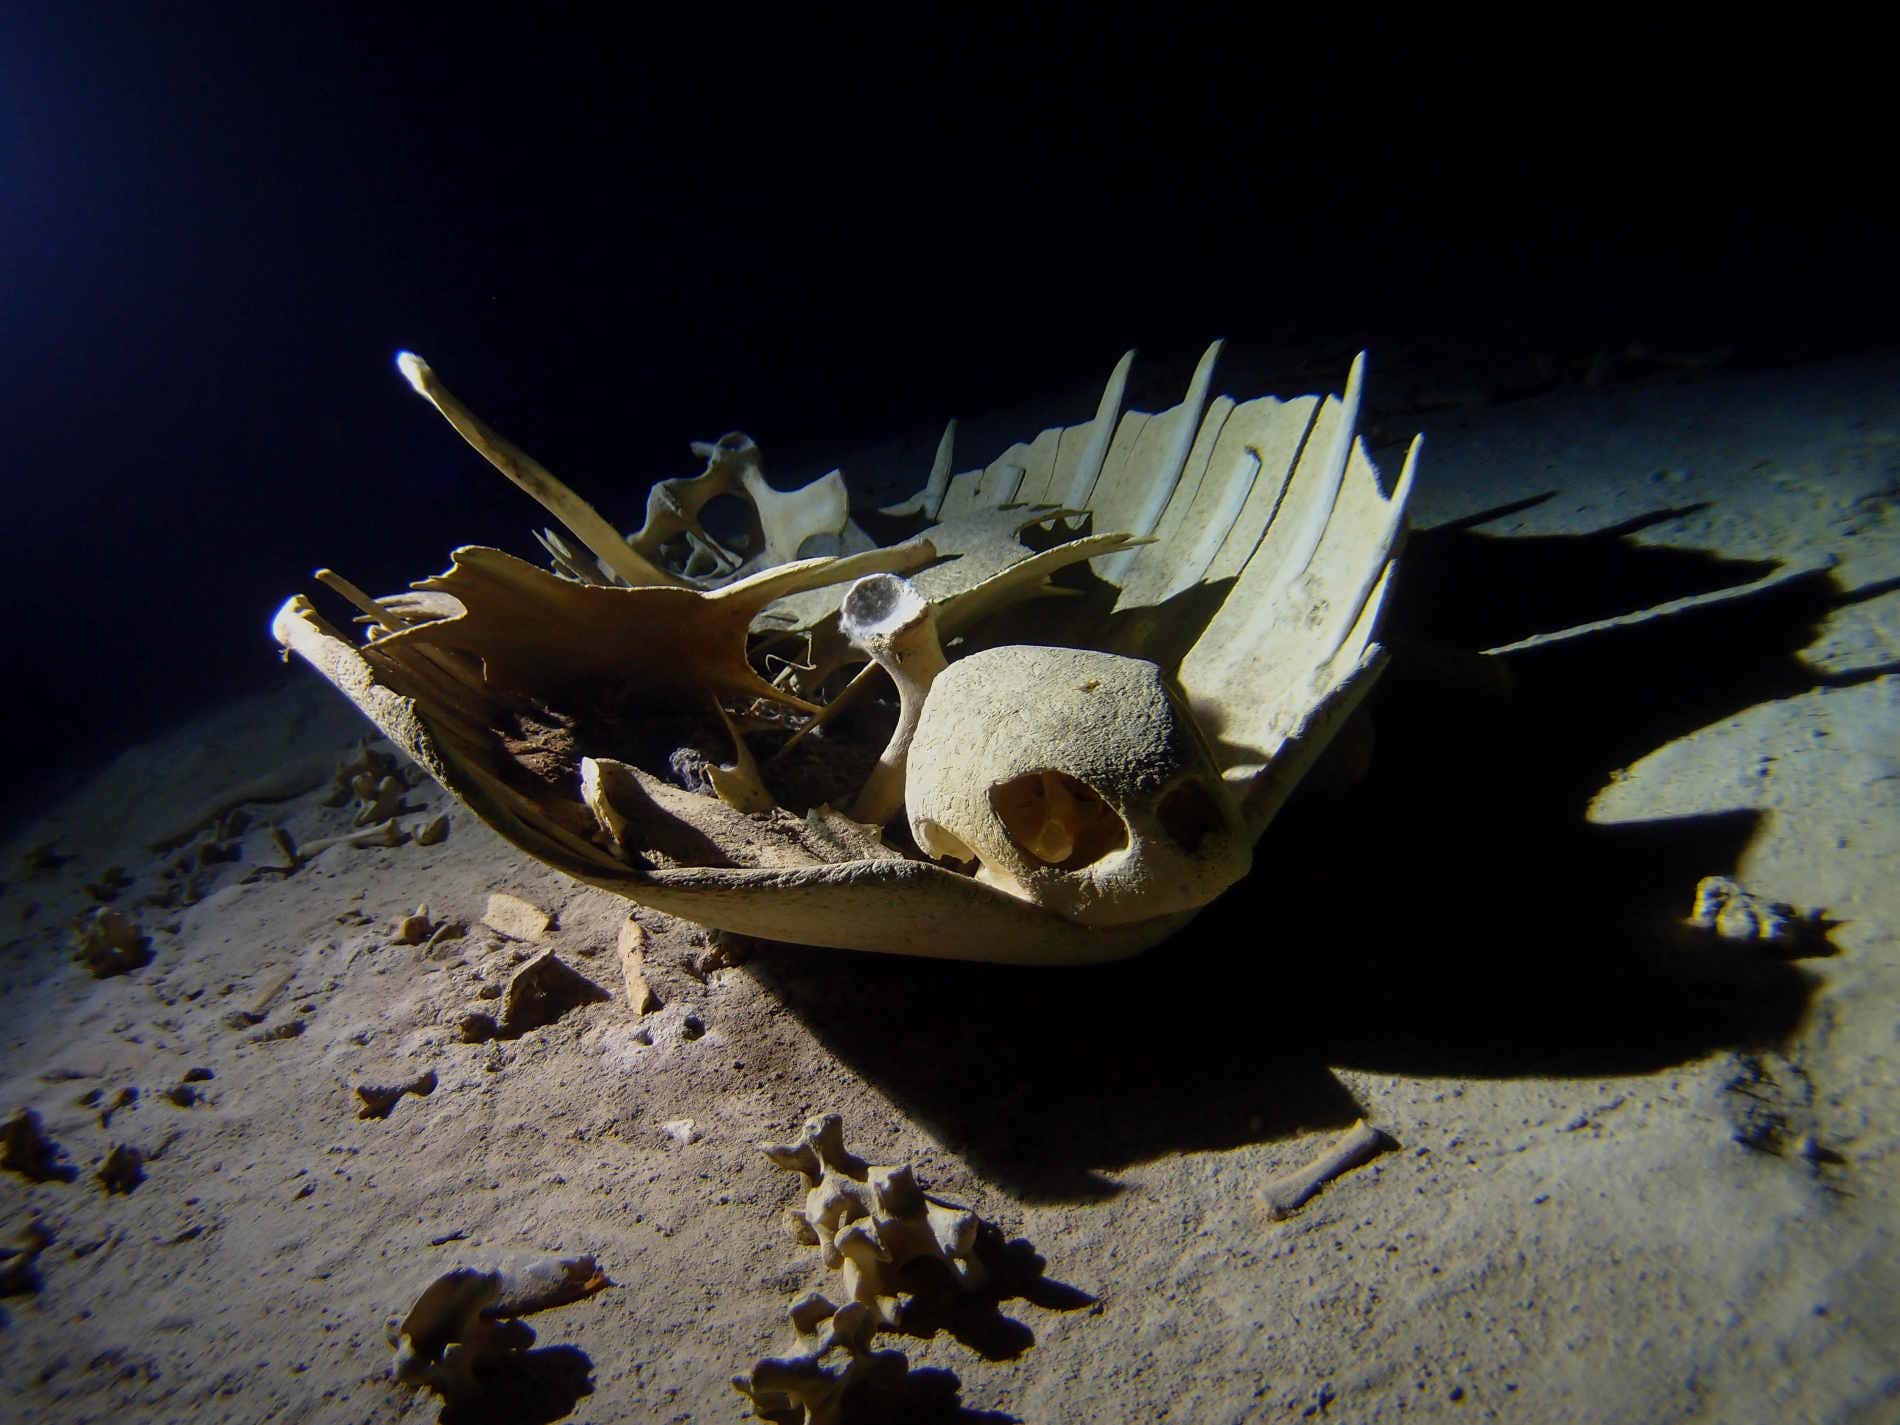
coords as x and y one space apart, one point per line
414 370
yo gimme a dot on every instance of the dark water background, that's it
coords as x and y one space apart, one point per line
217 226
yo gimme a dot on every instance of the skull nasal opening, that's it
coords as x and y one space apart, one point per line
1058 820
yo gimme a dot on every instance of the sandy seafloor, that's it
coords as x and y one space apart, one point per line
1639 1175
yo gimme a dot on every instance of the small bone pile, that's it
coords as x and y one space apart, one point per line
869 1222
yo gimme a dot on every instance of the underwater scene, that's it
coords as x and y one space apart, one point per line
702 736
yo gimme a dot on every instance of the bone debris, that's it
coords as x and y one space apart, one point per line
632 944
108 943
1360 1144
456 1323
1723 908
516 918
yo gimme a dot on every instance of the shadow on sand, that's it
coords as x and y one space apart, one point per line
1443 908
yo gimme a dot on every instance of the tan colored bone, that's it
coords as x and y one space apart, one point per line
1264 517
887 618
1287 1194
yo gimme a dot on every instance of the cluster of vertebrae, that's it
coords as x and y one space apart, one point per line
869 1223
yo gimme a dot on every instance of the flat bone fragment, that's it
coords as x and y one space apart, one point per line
542 990
25 1149
516 918
1285 1195
455 1322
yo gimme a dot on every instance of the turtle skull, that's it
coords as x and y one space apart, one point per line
1078 780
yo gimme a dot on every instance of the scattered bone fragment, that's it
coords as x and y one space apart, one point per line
542 990
377 798
681 1131
25 1149
125 1098
632 945
390 833
122 1170
258 1009
379 1100
1729 912
455 1322
433 831
19 1265
372 755
807 1385
516 918
108 943
1361 1143
476 1028
869 1221
414 929
268 849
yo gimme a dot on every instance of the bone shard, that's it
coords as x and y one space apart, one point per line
886 617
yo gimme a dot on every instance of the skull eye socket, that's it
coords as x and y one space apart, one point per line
1057 820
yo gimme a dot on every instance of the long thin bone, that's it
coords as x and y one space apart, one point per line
1285 1195
606 543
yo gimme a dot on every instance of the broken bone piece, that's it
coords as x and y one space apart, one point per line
543 990
632 944
108 943
516 918
1286 1194
869 1221
380 1100
25 1149
122 1170
885 617
1724 909
377 798
19 1265
807 1385
455 1323
414 929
